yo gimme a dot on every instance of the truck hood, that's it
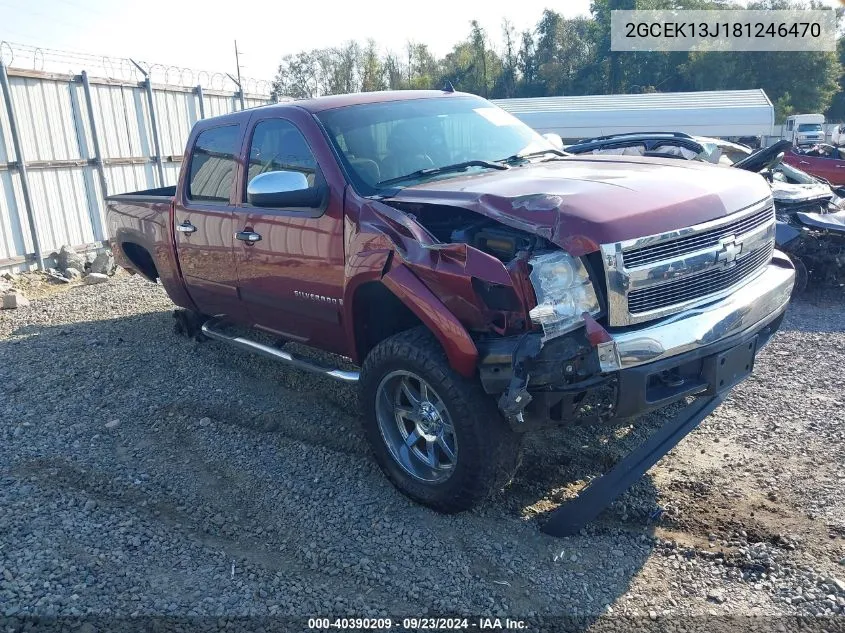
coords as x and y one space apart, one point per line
581 202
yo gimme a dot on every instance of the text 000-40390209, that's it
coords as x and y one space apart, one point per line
417 623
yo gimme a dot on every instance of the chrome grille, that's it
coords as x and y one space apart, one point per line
658 275
691 243
696 286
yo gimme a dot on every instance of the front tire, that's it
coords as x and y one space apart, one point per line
801 277
436 435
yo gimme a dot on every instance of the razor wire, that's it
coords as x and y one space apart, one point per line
39 58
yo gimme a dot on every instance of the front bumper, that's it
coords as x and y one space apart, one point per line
760 301
705 349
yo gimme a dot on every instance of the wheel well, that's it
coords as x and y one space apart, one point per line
378 315
141 260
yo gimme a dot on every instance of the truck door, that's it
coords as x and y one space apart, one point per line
290 260
203 221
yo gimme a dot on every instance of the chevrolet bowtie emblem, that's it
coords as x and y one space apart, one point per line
729 251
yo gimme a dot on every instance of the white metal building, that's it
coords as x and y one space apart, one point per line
66 178
722 113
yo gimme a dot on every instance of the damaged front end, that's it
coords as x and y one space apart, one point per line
811 229
563 330
810 224
529 306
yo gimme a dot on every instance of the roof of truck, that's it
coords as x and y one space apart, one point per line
339 101
320 104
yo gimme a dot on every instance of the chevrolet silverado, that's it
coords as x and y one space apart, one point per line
481 282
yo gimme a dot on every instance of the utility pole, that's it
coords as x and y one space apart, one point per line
238 66
238 62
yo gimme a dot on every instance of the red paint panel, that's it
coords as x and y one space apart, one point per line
149 225
580 202
831 169
459 347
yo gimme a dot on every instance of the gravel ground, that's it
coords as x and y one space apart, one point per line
142 473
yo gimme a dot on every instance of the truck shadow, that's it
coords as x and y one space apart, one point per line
175 396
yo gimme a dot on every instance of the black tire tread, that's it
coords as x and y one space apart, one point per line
482 423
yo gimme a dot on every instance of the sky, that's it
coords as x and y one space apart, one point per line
200 35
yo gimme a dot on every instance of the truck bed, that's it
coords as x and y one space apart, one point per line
148 195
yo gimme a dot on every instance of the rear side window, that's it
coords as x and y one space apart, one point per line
213 165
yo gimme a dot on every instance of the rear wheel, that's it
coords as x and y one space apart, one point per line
436 435
189 323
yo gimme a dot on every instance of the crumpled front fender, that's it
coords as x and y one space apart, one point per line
456 342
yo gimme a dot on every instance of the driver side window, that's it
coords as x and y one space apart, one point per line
277 145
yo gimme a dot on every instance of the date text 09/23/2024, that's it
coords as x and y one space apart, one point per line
418 624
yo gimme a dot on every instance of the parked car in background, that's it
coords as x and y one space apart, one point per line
485 282
810 216
804 129
837 135
664 145
656 144
822 160
723 152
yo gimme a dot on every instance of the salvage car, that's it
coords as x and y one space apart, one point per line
810 217
823 160
482 282
664 145
655 144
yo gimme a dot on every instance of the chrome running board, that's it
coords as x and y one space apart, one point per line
211 329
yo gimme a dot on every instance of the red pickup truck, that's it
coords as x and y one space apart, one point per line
484 282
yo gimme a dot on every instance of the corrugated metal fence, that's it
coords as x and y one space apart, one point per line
81 138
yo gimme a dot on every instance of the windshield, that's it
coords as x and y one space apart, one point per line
810 127
381 142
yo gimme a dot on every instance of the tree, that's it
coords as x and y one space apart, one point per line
526 62
372 69
573 56
297 76
783 108
478 42
471 65
393 72
836 111
506 85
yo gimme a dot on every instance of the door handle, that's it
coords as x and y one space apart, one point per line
186 227
803 162
250 237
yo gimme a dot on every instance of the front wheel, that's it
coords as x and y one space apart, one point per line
801 277
436 435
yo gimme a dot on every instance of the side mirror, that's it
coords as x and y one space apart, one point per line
554 139
283 189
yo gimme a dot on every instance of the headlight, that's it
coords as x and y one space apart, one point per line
563 291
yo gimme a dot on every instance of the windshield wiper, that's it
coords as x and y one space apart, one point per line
520 157
446 169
